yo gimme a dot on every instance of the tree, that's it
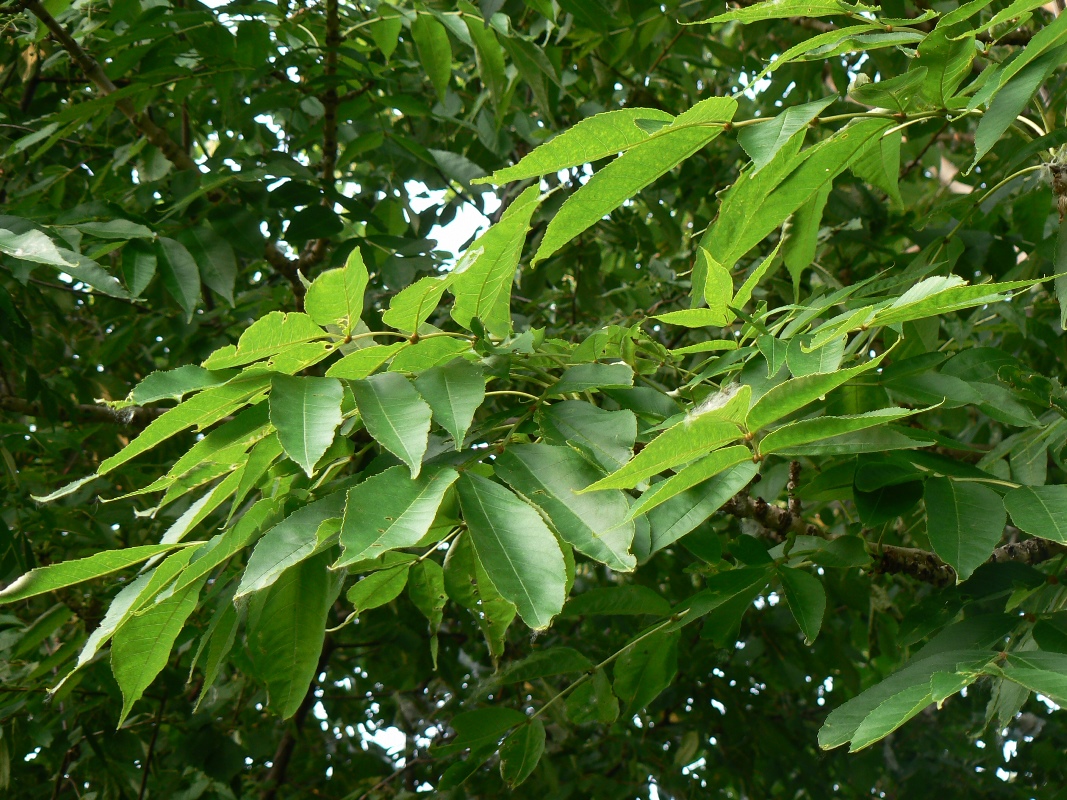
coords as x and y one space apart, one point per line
725 459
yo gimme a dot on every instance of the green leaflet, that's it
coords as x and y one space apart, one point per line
179 273
965 521
600 136
290 618
1039 510
697 434
792 395
411 307
763 141
306 412
520 555
389 511
812 430
336 296
783 9
605 437
806 597
215 258
289 542
142 644
758 203
673 519
454 391
482 286
521 751
57 576
692 475
635 169
435 51
363 362
551 479
396 416
266 337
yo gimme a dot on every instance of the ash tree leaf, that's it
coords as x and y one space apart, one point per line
454 391
214 257
806 597
793 395
267 336
550 478
68 573
336 296
306 412
180 274
482 285
521 752
396 416
965 521
645 670
389 511
1040 511
142 644
600 136
378 588
289 542
763 141
696 435
635 169
519 553
290 618
435 52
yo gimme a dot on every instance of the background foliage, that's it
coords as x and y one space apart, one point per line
828 455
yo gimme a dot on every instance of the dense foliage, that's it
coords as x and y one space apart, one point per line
728 460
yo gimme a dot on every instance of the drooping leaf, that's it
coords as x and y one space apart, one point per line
396 416
519 552
306 412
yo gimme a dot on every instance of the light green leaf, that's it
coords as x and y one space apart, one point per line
521 751
289 542
411 307
1040 511
389 511
792 395
180 274
678 516
692 475
396 416
764 140
68 573
635 169
806 598
215 258
435 52
290 618
361 363
266 337
965 521
783 9
696 435
804 431
378 588
306 412
336 296
520 555
550 478
454 392
482 285
600 136
142 644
